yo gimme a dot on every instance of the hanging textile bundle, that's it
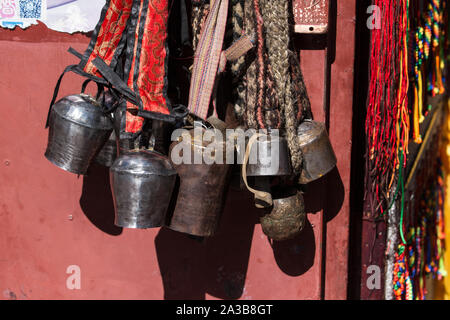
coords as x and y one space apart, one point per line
387 120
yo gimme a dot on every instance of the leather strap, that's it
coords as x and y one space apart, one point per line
260 196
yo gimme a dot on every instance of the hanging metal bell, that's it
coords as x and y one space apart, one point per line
272 158
201 194
77 131
142 182
285 219
318 154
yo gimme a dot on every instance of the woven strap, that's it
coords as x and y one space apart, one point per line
240 47
207 57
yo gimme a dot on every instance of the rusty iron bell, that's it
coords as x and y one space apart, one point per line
285 219
202 189
78 129
318 154
142 182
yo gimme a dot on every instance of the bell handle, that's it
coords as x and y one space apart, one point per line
260 196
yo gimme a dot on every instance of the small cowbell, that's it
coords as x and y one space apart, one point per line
142 182
266 156
318 154
285 219
272 157
78 129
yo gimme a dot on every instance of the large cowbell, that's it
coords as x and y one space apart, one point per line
286 219
318 154
142 182
202 188
78 129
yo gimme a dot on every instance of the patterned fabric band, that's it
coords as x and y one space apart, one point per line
207 58
108 39
146 70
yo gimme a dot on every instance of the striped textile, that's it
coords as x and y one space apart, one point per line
207 57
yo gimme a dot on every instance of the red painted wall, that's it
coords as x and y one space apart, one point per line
51 219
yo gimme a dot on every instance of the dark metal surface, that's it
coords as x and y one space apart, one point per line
142 183
285 219
77 131
274 149
108 153
318 154
160 136
201 195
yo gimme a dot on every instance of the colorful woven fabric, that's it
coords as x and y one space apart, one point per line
207 58
147 75
108 34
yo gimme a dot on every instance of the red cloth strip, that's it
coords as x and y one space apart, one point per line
149 82
110 33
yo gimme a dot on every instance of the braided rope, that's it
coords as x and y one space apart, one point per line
299 92
200 10
276 22
238 66
250 76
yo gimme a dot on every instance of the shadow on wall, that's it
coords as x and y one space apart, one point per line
326 193
191 267
296 256
96 199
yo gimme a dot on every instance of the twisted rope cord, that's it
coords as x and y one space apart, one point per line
268 114
200 10
276 22
250 76
299 92
238 66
